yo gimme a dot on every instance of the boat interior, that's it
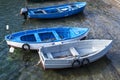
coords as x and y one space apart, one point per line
56 10
67 51
48 36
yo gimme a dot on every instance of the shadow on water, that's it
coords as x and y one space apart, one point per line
24 65
79 73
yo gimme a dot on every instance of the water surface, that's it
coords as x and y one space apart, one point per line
103 19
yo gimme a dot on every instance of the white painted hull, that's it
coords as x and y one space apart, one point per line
98 52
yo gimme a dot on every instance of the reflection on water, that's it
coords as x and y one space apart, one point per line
21 65
25 68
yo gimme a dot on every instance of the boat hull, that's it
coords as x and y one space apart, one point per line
67 62
57 14
36 46
17 43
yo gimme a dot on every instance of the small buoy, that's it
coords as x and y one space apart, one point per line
11 50
7 27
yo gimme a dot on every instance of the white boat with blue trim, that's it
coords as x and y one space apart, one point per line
33 39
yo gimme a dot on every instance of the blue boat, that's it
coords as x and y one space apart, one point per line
58 11
33 39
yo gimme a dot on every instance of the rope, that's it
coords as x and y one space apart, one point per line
2 41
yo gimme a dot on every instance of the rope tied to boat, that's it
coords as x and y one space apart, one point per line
2 41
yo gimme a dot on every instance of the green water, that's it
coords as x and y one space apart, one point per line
98 16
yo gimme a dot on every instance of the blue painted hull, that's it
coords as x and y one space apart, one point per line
58 11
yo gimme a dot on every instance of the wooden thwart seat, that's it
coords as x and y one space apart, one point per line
49 55
59 10
56 35
41 11
44 11
37 37
74 51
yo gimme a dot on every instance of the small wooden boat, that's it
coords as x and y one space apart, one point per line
58 11
73 54
33 39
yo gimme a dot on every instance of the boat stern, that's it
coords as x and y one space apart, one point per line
23 10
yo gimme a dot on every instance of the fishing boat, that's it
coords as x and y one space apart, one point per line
73 54
33 39
50 12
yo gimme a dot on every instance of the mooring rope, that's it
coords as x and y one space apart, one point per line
2 41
